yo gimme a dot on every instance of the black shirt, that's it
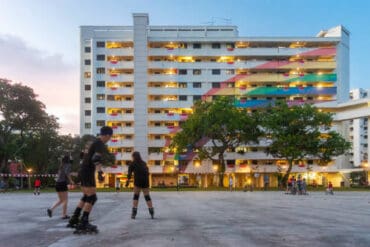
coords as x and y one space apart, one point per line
96 147
141 174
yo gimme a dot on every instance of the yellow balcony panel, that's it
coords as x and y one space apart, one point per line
118 44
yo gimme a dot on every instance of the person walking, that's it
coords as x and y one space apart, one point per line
64 177
92 161
141 183
231 183
37 186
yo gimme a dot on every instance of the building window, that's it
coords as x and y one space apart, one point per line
87 87
100 123
197 72
197 85
87 125
87 75
87 49
197 46
100 96
216 45
87 113
128 111
230 72
183 72
100 83
157 111
157 124
183 85
157 162
183 97
196 97
87 100
157 137
100 109
216 72
100 44
100 57
216 85
87 62
100 70
230 45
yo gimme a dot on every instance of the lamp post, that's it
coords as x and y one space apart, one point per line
29 170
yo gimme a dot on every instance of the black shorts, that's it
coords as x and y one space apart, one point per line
87 177
61 186
142 184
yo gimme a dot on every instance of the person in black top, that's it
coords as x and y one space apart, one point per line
64 177
141 183
92 160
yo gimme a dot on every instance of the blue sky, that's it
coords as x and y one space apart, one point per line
45 34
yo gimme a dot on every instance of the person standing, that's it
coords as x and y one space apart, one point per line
141 183
231 183
37 186
64 177
118 185
92 161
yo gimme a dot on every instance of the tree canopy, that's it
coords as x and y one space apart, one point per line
220 124
298 132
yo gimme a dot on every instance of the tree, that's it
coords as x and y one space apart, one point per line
21 115
220 124
298 132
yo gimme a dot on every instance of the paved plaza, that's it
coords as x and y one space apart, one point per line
194 219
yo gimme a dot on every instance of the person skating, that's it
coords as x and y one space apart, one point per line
92 161
64 177
141 183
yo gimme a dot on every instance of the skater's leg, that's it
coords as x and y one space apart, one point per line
56 204
148 202
76 215
147 198
90 201
135 201
64 203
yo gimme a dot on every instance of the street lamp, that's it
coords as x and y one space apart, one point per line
29 170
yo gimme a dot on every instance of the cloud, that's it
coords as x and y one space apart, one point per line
56 82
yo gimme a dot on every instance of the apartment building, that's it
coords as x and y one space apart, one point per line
143 81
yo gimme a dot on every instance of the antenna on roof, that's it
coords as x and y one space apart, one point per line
226 21
214 20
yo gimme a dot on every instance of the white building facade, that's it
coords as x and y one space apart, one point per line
143 80
358 132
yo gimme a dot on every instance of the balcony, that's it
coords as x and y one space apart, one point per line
120 104
123 156
156 143
158 130
119 90
155 156
164 117
170 104
274 51
120 117
119 52
123 130
120 143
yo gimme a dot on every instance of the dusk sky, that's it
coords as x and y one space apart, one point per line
39 39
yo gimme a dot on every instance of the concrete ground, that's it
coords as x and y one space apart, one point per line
194 219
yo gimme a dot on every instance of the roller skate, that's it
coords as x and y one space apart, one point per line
134 212
74 221
86 228
151 212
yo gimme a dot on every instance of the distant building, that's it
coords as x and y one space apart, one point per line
143 80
